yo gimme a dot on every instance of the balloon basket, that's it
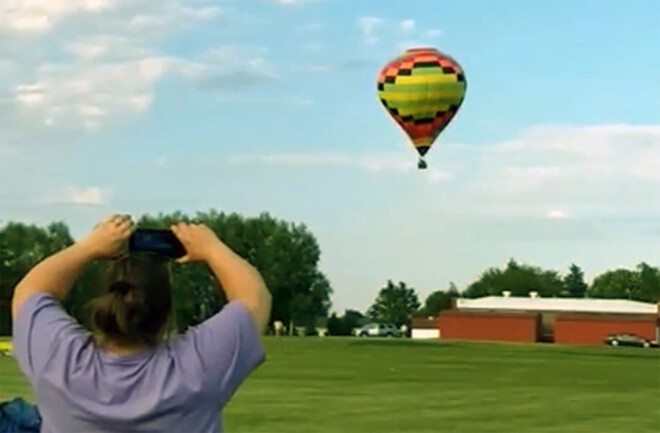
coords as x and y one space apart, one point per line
421 164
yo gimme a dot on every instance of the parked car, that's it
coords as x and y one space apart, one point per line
378 330
630 340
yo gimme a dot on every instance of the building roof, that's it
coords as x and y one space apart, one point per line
581 305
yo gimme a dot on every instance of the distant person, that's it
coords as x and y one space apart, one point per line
126 376
279 327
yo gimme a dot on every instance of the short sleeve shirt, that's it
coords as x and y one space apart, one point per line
180 386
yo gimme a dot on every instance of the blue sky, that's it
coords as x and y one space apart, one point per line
249 106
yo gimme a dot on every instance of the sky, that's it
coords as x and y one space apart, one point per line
254 106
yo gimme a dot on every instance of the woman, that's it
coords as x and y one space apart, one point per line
125 377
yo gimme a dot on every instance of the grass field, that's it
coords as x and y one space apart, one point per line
359 385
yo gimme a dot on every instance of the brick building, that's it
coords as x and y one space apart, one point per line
560 320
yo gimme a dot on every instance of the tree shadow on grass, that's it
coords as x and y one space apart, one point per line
632 352
545 349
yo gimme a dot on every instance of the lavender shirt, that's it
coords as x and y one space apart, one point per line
179 387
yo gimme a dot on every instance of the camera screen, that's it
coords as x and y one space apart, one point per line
156 241
152 241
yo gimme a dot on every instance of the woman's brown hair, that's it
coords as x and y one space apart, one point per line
136 301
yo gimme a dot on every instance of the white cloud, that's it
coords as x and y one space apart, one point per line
583 171
30 94
407 26
529 177
607 170
90 111
70 96
401 34
87 196
43 16
373 163
79 196
290 2
8 151
292 159
142 21
151 69
112 67
557 214
369 26
170 15
384 163
87 50
140 103
436 175
205 13
232 67
107 48
600 150
40 16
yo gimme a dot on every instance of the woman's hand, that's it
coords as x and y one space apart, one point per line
110 238
198 240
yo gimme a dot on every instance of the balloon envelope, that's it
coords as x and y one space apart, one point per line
422 90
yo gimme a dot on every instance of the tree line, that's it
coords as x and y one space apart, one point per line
398 303
287 255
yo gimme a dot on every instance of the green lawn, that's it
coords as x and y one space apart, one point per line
357 385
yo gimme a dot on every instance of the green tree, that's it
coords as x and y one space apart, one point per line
477 289
353 319
436 302
453 290
311 302
641 284
21 247
649 290
344 325
334 325
519 279
85 288
394 304
616 284
286 254
574 285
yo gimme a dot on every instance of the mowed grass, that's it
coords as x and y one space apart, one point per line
360 385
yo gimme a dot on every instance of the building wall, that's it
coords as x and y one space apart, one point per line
424 323
594 329
493 326
424 327
420 334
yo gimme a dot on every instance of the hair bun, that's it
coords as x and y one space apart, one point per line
121 287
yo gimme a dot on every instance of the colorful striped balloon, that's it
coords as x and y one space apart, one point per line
422 90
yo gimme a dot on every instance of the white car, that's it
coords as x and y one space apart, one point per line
378 330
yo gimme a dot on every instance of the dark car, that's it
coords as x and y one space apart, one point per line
630 340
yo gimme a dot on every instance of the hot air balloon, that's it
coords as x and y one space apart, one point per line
422 89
